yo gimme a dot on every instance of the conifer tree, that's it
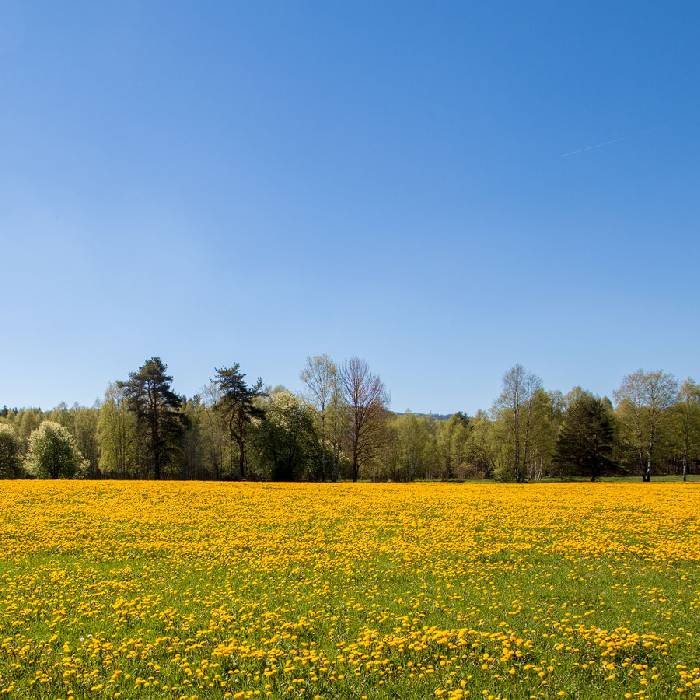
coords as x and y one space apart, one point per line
585 441
149 395
237 402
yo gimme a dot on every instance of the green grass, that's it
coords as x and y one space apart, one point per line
344 591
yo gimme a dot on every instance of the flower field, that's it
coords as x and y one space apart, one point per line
199 590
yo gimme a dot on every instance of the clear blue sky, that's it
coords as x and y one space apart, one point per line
412 183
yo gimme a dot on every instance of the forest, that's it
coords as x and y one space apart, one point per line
339 427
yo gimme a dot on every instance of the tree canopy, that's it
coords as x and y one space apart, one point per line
339 425
53 453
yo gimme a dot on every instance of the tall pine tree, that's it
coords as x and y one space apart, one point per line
237 403
149 395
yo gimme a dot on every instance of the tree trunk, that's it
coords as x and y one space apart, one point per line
650 452
336 460
516 436
241 459
323 444
526 446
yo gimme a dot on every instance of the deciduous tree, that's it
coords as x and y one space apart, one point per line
686 424
452 443
643 398
320 377
215 433
287 438
53 453
10 447
117 435
367 399
514 408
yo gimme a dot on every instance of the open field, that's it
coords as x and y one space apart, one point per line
143 589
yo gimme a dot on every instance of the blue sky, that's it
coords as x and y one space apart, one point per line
412 183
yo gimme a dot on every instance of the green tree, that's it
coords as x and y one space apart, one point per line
238 403
84 429
287 439
482 448
514 411
320 377
215 433
26 422
451 444
194 449
81 421
117 435
585 441
686 424
412 448
10 453
337 428
543 418
53 453
61 415
157 409
643 399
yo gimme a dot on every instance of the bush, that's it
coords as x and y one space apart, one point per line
54 454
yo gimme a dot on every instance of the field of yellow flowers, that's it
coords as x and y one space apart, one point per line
206 590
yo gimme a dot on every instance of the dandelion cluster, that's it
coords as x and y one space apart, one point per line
199 590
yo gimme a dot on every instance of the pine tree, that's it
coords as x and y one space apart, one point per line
149 396
237 403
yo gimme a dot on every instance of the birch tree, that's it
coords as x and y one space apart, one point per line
515 408
320 377
116 435
687 424
643 398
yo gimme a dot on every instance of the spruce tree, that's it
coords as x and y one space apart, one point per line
585 441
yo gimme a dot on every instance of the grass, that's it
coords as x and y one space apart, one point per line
142 589
662 478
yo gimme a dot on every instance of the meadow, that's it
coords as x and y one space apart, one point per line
242 590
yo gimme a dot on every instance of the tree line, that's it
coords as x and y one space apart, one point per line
340 427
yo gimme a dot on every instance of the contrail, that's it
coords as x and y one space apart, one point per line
592 147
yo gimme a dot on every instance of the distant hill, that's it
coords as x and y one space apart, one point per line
436 416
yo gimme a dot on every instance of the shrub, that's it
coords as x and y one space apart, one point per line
53 453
